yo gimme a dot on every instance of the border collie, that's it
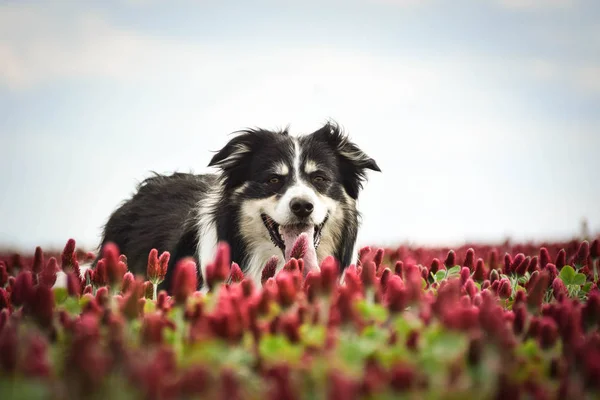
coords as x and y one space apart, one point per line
270 188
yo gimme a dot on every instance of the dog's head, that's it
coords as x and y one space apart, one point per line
286 186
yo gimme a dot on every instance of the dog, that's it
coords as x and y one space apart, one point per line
269 189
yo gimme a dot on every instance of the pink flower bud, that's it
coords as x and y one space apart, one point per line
363 253
595 249
344 304
378 259
548 332
102 297
115 269
397 295
552 271
38 261
516 262
465 274
23 288
505 289
153 268
480 272
222 262
533 265
521 269
69 258
435 266
100 276
494 276
582 253
128 280
329 274
286 288
471 288
236 273
591 310
450 259
469 259
385 277
3 275
520 317
42 305
184 280
399 268
535 294
73 284
558 288
48 275
300 247
367 275
544 257
269 269
561 259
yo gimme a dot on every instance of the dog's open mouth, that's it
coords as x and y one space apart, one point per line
284 236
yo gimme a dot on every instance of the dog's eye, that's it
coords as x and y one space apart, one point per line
318 179
274 180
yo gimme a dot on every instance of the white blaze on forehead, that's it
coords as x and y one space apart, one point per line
281 169
311 166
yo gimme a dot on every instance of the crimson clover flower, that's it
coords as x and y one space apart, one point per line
236 273
47 276
480 273
450 259
157 266
23 288
115 269
269 269
544 257
561 259
582 254
469 261
68 258
300 246
184 280
38 261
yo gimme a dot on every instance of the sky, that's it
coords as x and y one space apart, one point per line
484 116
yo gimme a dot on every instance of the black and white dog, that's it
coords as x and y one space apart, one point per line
270 188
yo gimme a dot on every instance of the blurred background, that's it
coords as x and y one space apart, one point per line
483 115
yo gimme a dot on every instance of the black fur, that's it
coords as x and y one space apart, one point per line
163 213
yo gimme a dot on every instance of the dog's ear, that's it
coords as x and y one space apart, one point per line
233 152
234 159
353 161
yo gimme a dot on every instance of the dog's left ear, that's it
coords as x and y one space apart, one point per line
353 161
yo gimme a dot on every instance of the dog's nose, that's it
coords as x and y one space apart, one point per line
301 207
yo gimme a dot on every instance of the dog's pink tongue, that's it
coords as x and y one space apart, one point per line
299 243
